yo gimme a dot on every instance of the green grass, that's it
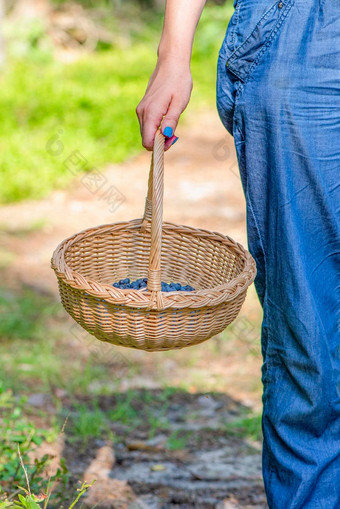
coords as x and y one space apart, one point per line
124 411
33 334
91 101
246 427
177 440
21 317
17 430
89 104
88 422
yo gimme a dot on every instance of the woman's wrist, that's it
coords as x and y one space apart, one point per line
174 56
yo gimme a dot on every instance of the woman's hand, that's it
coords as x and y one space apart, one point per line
170 85
166 97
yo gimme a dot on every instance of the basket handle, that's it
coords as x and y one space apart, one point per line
154 212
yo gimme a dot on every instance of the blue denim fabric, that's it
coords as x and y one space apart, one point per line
278 94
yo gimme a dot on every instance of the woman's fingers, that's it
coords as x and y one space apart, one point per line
150 122
171 118
166 97
151 117
170 141
170 122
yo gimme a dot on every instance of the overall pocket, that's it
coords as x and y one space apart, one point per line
257 25
251 30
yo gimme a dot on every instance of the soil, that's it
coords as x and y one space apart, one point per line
211 467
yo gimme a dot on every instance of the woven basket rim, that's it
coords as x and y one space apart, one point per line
208 297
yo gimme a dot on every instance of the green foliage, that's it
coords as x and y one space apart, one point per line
248 427
210 31
31 501
19 436
93 103
89 104
88 422
27 38
20 316
124 410
16 430
33 333
177 440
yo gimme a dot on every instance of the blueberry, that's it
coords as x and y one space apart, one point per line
142 283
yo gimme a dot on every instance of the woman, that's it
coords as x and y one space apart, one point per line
278 94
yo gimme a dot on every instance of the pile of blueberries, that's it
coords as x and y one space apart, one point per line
142 283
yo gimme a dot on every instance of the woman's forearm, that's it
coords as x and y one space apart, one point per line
169 88
180 21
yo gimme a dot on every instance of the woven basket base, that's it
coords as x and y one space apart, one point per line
142 328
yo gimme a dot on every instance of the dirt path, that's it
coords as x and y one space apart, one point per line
202 189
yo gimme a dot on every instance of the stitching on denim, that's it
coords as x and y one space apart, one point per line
220 95
237 17
236 128
260 237
266 43
233 56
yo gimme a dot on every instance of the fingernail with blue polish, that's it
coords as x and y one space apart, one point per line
168 132
174 140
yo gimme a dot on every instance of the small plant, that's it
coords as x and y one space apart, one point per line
16 432
18 438
247 427
89 422
177 440
124 410
31 501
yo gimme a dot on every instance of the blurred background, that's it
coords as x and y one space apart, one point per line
164 430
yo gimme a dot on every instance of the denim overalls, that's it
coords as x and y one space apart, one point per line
278 94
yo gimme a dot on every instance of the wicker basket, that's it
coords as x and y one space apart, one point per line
88 263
